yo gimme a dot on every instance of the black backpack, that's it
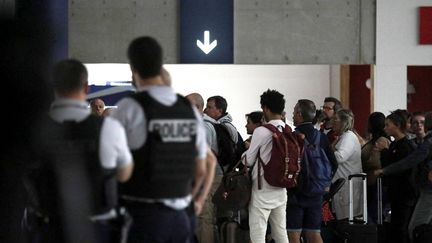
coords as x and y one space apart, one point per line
229 151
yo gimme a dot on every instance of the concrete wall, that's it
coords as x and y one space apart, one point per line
265 32
304 31
100 30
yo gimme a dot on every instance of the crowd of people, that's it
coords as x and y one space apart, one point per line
147 170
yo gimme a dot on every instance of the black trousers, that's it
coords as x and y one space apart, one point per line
400 217
157 223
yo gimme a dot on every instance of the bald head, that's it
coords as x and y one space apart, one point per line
97 106
196 100
166 77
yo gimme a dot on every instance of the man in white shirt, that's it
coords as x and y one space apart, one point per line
269 202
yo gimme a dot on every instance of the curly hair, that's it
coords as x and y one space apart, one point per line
273 100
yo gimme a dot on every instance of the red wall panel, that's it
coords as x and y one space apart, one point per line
360 97
421 78
425 25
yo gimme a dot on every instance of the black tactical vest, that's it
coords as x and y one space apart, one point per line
71 171
164 165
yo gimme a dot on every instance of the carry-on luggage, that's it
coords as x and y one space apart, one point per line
233 226
382 227
231 232
353 231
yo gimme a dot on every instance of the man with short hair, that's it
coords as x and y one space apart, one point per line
216 111
269 202
167 138
330 107
304 209
81 157
417 126
216 108
97 106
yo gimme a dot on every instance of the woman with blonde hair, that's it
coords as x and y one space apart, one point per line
347 150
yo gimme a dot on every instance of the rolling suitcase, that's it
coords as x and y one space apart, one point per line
230 232
353 231
234 228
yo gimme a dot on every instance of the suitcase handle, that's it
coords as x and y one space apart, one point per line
351 199
379 197
360 175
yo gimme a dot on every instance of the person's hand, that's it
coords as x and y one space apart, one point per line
378 172
301 135
333 144
380 145
198 206
371 179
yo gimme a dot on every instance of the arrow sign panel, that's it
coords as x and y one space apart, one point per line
206 31
206 47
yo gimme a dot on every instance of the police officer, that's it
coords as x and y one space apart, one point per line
73 189
167 139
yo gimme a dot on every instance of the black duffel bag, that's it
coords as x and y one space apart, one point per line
234 192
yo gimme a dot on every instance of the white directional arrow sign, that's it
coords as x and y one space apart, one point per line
206 47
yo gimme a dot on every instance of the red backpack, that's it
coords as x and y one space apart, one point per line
284 166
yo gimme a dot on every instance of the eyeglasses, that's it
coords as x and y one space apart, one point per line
418 122
327 108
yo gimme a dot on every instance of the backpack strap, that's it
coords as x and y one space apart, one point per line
316 138
271 127
260 164
287 129
226 125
